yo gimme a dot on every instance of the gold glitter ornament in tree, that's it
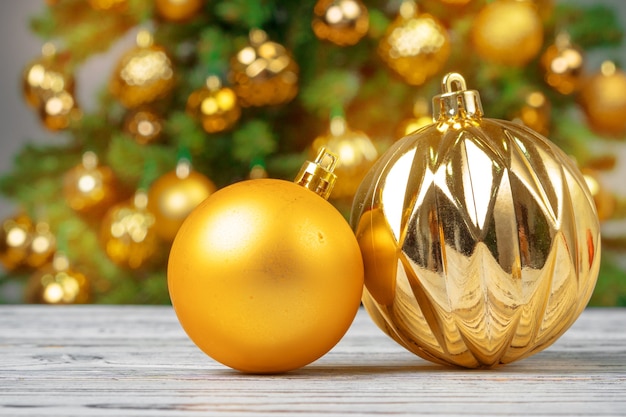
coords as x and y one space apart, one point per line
214 106
41 247
356 155
59 110
178 10
342 22
90 188
265 275
47 76
174 195
143 74
57 283
480 238
563 64
144 125
15 238
535 112
264 72
421 117
127 233
507 32
416 45
603 99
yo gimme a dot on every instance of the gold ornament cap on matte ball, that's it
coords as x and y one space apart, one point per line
480 238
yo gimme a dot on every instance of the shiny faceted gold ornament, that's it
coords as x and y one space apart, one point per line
144 125
265 275
46 76
178 10
264 72
563 64
89 187
127 233
356 153
15 239
216 107
57 283
480 239
603 99
535 112
343 22
174 195
416 46
508 32
143 75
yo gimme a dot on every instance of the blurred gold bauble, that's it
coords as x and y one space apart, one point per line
264 72
41 247
343 22
59 110
109 5
144 125
265 275
143 74
416 46
127 233
508 32
15 239
214 106
178 10
603 99
535 113
46 76
57 283
174 195
563 64
605 201
480 238
356 152
89 187
421 117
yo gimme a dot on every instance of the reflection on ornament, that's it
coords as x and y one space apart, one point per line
563 64
416 45
214 106
57 283
603 99
264 73
45 77
604 200
421 117
127 232
178 10
343 22
143 74
535 113
356 153
15 238
144 125
480 239
89 187
174 195
508 32
265 275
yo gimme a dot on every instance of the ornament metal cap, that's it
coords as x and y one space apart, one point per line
456 101
318 175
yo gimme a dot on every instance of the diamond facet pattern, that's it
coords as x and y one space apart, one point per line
481 244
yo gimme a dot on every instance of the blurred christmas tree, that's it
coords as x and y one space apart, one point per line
219 91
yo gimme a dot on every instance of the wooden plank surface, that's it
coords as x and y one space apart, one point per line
136 361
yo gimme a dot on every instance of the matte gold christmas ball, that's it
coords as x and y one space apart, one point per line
265 275
343 22
178 10
603 99
415 45
174 195
89 187
46 76
508 32
143 74
15 238
480 238
127 233
57 283
216 107
356 152
563 64
264 72
144 125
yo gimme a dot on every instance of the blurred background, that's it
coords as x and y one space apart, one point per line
21 43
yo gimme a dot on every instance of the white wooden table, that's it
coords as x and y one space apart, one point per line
136 361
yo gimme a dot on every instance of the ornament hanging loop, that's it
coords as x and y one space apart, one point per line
456 102
318 175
